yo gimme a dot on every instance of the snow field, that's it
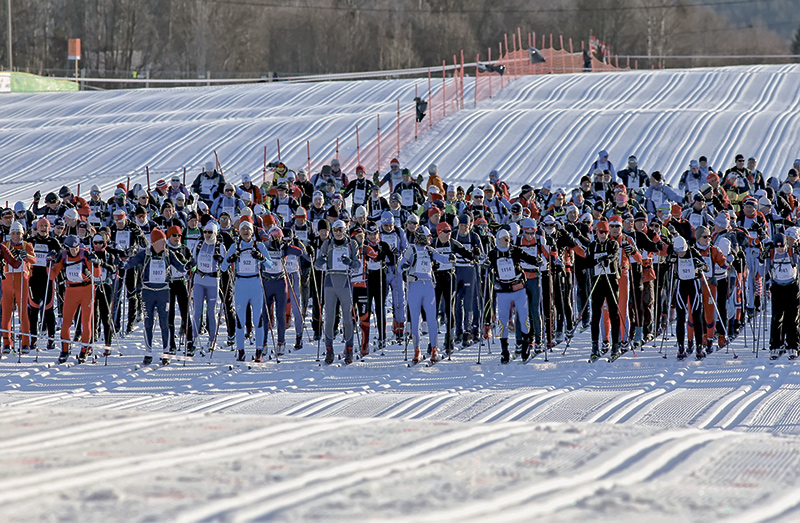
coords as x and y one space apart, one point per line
560 440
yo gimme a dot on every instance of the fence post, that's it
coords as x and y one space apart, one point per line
475 87
184 175
444 87
308 155
462 79
263 171
490 74
147 173
514 46
279 149
430 103
503 58
337 147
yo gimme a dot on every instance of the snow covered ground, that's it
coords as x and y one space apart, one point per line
644 437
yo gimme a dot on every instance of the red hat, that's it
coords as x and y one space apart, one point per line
615 219
301 212
248 219
360 168
394 161
43 221
268 220
161 183
174 230
676 209
434 210
712 177
602 225
156 235
442 227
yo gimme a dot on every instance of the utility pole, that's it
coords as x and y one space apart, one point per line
10 58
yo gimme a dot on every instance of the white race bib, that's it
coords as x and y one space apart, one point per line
337 253
40 250
230 209
423 265
247 264
158 271
75 272
695 220
205 186
392 240
359 195
783 271
205 263
407 197
505 269
685 269
285 211
302 235
292 264
123 239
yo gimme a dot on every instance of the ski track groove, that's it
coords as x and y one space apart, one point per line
106 469
268 502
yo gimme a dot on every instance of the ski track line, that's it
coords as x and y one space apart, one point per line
751 401
632 407
266 502
645 467
746 392
631 464
107 469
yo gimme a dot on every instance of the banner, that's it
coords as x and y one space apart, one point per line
5 82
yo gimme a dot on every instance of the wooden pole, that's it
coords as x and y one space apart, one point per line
430 104
398 128
358 146
462 79
475 87
490 74
308 154
416 95
337 147
279 149
147 173
264 169
444 88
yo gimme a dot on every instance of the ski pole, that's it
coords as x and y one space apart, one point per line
585 305
716 310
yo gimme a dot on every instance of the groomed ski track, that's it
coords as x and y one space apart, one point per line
559 440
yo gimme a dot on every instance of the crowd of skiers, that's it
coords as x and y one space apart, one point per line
622 254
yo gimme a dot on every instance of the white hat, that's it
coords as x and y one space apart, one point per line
94 188
246 196
338 224
433 169
17 227
246 178
477 192
361 212
679 244
201 205
71 214
209 167
245 223
211 226
793 232
502 233
259 210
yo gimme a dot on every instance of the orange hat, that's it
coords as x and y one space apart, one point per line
442 227
434 210
156 235
268 220
676 209
173 230
602 225
712 177
615 219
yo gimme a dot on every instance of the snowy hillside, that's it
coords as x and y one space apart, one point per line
559 440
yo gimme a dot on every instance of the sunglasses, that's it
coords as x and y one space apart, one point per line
705 236
176 235
779 245
617 226
208 232
99 243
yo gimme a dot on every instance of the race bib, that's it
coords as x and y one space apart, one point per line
423 265
336 258
205 263
784 271
247 264
292 264
359 195
285 211
407 197
302 235
695 220
657 198
205 187
230 209
75 272
40 250
392 240
505 269
373 265
158 271
123 239
685 269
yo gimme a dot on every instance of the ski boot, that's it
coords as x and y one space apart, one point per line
709 347
25 349
259 357
690 348
538 347
792 353
231 341
82 356
63 357
605 348
775 353
165 361
240 356
348 355
173 350
615 352
700 353
147 360
51 345
6 349
279 350
417 356
526 352
434 355
505 357
328 355
681 353
595 352
190 349
466 339
298 342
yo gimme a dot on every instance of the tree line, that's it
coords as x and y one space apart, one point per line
229 38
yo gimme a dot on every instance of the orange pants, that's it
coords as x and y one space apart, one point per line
12 298
77 298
